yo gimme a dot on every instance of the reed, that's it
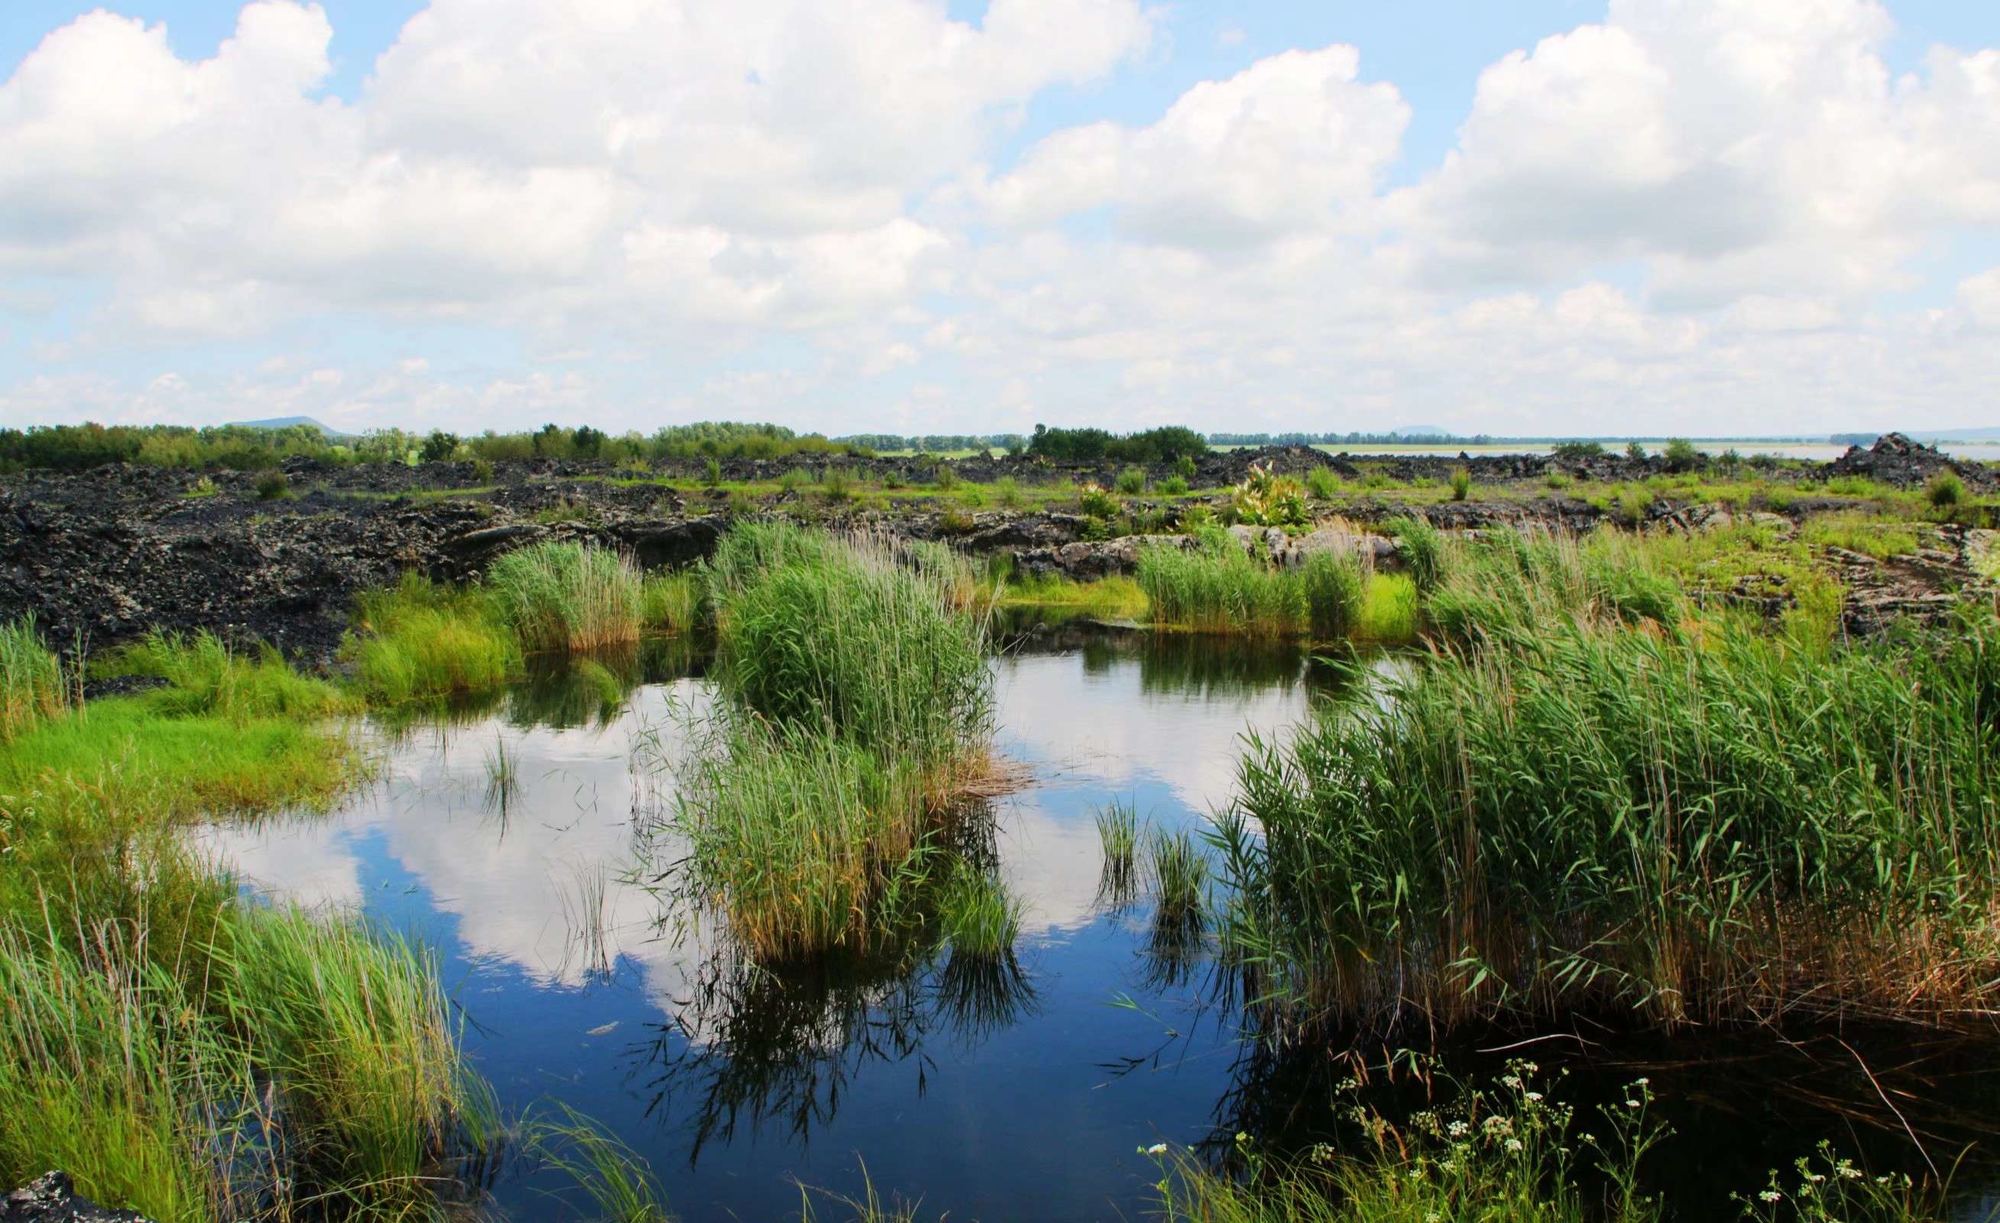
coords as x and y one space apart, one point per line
34 685
1180 876
352 1030
1335 585
1118 833
1216 586
1601 817
568 596
670 602
865 643
805 842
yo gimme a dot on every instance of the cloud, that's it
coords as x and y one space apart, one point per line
1737 149
1281 147
1708 213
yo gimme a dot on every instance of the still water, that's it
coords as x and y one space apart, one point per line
997 1095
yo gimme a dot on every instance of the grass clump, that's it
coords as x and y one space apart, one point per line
1390 611
1179 873
1131 481
1422 549
1216 586
860 711
976 913
1118 834
34 684
1871 536
420 640
1461 483
1605 817
1945 490
860 644
1111 599
568 596
670 602
204 676
1335 586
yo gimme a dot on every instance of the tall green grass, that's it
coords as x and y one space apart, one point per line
1602 817
1216 586
862 643
420 640
860 709
205 677
175 1050
568 596
34 685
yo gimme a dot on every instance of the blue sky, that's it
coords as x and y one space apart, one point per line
1713 214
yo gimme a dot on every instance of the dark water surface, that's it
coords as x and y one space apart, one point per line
987 1094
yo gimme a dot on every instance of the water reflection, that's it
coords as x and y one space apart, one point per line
758 1046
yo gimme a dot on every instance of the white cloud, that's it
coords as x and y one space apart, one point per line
1281 147
1711 213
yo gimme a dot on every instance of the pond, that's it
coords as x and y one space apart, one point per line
527 844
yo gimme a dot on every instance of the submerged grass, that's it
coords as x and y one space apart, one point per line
1118 834
1608 817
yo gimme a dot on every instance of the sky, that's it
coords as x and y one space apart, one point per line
1700 217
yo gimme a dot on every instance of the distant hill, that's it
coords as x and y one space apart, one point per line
286 422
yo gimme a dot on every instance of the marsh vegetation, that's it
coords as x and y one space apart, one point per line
1648 781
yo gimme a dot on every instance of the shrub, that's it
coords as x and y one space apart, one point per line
1267 499
1945 490
1131 481
836 485
944 475
1635 452
711 473
273 486
567 596
1577 451
1173 486
1184 469
1093 500
1323 482
1006 492
439 447
1681 455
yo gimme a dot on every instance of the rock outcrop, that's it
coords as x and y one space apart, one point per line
51 1198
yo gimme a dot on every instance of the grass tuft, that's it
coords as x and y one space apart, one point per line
568 596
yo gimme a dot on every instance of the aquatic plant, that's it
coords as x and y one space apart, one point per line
568 596
851 639
976 913
1179 875
1600 816
615 1179
670 602
1216 586
420 640
1421 547
1118 834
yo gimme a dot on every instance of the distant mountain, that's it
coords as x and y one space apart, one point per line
1421 431
286 422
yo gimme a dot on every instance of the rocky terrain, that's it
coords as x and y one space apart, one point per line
101 556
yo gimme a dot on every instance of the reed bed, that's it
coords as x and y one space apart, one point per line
860 708
568 596
1216 586
1689 828
864 643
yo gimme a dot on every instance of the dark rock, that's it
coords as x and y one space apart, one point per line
1896 460
51 1198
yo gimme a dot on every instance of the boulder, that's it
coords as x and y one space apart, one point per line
51 1198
